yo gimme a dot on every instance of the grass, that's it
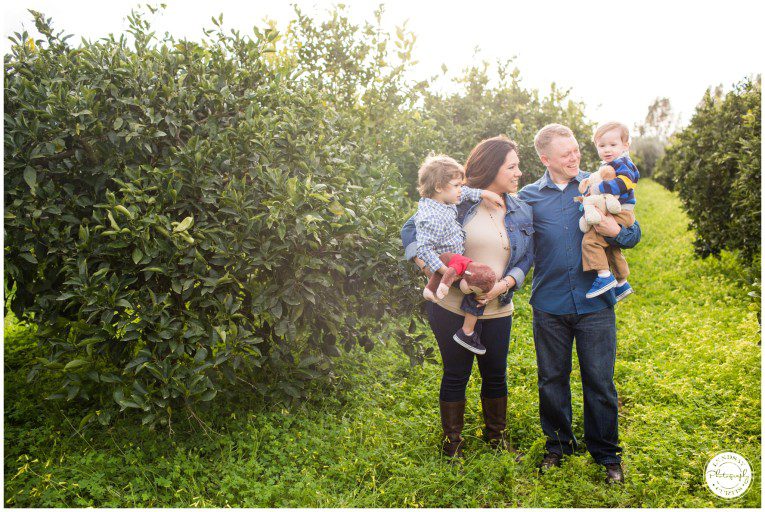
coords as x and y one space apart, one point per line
687 372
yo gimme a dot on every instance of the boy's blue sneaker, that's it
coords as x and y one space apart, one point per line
622 291
601 286
471 343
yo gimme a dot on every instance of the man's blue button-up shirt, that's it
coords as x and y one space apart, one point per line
560 284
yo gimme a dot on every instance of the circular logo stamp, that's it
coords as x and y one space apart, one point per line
728 475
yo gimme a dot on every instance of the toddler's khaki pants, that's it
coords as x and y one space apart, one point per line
597 254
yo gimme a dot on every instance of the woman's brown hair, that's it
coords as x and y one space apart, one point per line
485 160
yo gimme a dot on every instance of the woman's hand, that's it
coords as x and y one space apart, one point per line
608 226
499 288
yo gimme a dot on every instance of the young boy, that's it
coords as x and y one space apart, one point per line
440 185
612 142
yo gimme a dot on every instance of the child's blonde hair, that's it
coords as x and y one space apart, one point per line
611 125
436 172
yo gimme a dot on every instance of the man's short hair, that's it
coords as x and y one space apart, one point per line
544 136
611 125
436 172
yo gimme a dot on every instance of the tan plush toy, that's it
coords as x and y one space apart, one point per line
593 198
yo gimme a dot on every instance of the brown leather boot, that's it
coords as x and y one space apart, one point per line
495 417
452 421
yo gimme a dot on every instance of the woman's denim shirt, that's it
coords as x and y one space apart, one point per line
520 230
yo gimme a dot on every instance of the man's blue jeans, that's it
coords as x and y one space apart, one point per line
595 335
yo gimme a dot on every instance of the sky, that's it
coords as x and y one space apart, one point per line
616 56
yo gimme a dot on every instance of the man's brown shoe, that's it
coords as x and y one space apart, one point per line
614 474
551 459
452 421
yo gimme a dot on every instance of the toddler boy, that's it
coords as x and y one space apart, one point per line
612 142
440 184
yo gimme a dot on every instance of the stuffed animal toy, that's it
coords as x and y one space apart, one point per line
476 277
593 198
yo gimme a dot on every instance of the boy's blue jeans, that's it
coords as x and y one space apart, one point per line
595 335
471 305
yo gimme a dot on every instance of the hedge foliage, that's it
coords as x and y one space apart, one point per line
182 216
646 151
405 120
488 107
179 215
715 166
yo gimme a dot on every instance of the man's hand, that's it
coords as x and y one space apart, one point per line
493 197
608 226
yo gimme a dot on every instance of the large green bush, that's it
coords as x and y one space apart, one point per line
364 71
715 166
182 215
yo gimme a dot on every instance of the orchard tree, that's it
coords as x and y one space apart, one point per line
184 217
715 166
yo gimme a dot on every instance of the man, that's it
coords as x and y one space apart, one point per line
562 313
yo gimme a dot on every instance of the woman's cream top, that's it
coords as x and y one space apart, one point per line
486 242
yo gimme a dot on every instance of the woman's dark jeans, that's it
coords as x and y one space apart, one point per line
458 362
595 335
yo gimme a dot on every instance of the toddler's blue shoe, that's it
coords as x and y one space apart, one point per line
601 286
622 291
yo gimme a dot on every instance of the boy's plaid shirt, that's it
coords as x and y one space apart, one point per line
438 230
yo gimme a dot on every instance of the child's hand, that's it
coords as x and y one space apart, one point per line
493 197
422 266
607 172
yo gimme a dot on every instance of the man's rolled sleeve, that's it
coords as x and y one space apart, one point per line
627 237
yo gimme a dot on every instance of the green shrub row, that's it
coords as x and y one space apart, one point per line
181 215
646 151
406 120
715 166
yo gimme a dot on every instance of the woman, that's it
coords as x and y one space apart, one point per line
508 248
